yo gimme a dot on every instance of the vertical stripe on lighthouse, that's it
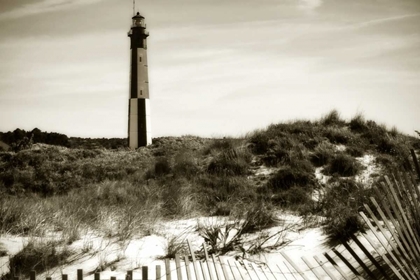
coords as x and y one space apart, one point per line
133 126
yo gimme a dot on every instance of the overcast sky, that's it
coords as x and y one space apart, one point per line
217 67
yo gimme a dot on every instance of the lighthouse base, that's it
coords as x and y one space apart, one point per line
139 124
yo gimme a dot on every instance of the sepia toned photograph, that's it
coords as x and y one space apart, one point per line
209 139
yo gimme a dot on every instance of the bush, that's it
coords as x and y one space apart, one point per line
259 143
355 151
161 168
186 167
343 165
332 118
343 200
214 189
258 217
337 135
322 154
358 124
283 151
231 162
288 177
292 197
341 222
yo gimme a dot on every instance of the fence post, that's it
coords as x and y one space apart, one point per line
144 273
158 272
167 269
187 267
80 274
32 275
129 275
178 267
197 275
97 276
64 277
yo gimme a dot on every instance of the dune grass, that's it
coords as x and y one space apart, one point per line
123 193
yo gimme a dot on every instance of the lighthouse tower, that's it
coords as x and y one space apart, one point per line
139 129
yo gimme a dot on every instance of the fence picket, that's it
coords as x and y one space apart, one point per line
358 260
158 272
346 262
401 263
323 266
80 274
281 272
197 275
231 270
399 247
255 271
222 265
203 270
178 267
144 273
295 267
168 269
404 221
311 267
208 262
335 265
291 271
187 268
384 257
369 255
218 276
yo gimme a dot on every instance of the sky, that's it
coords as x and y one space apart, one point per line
216 68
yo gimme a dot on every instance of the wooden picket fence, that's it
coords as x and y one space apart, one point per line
390 251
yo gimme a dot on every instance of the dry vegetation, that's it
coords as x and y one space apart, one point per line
121 193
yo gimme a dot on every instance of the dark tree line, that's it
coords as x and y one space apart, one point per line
21 139
12 138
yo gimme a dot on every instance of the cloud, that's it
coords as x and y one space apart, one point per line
309 5
383 20
44 6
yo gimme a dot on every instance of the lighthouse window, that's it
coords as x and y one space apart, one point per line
141 92
140 58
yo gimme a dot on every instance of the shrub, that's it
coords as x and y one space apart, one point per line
292 197
337 135
230 163
161 168
185 165
176 245
259 143
332 118
355 151
341 222
358 124
214 189
283 151
258 217
288 177
221 145
343 165
322 154
343 200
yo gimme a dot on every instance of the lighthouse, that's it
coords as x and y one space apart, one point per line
139 124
